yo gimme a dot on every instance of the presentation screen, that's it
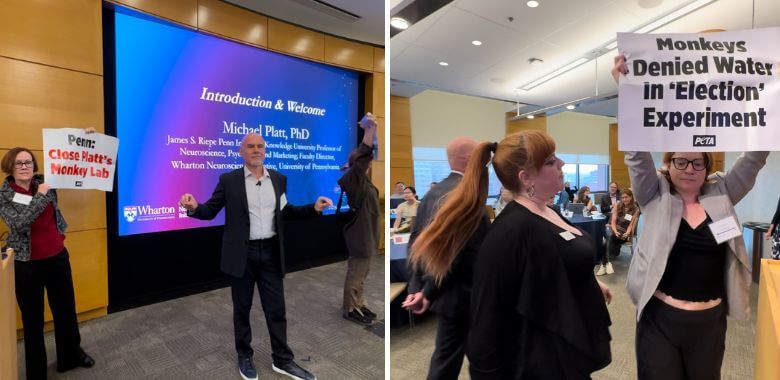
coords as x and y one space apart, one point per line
185 100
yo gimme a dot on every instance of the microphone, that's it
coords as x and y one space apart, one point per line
259 183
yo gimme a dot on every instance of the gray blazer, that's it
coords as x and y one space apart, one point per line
663 211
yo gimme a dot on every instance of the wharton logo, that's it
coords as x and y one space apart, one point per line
131 213
147 213
703 140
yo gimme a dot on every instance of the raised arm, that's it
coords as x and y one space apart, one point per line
644 179
742 176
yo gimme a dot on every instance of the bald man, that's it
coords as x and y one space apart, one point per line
450 300
255 202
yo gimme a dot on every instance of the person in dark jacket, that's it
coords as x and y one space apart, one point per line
450 297
362 233
255 202
29 208
611 199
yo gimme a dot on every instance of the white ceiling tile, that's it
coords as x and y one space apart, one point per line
453 35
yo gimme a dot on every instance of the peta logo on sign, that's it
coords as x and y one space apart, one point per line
704 140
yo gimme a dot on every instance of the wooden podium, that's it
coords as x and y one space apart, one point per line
768 322
7 316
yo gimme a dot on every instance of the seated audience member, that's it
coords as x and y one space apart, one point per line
609 200
406 212
624 219
399 191
583 196
503 199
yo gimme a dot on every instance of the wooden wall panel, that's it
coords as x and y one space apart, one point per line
380 139
379 59
294 40
232 22
401 121
538 123
87 251
342 52
181 11
402 174
375 94
57 33
401 163
33 97
618 171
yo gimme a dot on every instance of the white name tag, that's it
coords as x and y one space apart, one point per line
282 201
23 199
725 229
628 217
566 235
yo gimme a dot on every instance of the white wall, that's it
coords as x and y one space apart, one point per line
578 133
438 117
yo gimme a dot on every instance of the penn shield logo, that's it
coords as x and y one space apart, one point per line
703 140
131 213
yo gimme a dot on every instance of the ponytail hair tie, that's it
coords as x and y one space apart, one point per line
493 146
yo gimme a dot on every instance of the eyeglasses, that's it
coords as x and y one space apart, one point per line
21 164
681 163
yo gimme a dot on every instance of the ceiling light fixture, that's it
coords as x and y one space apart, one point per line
532 4
442 63
476 42
662 20
399 23
529 115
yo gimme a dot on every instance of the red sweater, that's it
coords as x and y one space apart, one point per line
45 240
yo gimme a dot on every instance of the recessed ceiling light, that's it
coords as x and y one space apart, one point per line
532 4
399 23
571 107
530 116
442 63
476 42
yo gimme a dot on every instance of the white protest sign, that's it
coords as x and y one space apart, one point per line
700 92
74 159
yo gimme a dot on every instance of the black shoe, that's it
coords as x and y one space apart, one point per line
357 317
367 312
82 360
247 369
293 370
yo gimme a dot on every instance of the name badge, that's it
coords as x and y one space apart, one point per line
566 235
282 201
23 199
628 217
725 229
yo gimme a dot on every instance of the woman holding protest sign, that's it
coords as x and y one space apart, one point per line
29 208
689 270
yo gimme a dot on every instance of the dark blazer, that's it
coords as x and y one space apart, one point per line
606 202
230 193
452 297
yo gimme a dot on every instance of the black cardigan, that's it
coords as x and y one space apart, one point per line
536 308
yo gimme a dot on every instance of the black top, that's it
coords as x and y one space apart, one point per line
694 271
776 218
536 308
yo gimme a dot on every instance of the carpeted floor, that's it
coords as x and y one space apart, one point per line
411 349
192 337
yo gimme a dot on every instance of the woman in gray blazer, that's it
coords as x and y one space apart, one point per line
685 277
